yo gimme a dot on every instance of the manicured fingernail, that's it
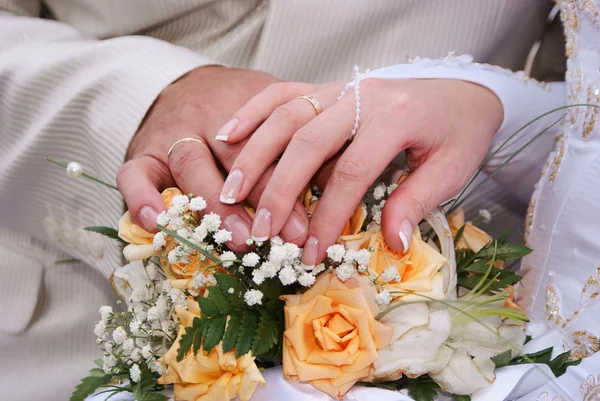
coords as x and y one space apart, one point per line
148 217
240 230
405 234
310 252
232 186
226 130
294 228
261 227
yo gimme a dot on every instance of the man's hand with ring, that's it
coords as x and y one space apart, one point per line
195 107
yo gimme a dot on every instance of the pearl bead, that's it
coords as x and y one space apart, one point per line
74 169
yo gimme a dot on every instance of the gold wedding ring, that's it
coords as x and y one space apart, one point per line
314 103
184 140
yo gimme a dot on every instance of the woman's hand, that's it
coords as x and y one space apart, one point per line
444 125
195 106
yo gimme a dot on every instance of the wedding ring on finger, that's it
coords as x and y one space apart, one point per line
189 139
314 103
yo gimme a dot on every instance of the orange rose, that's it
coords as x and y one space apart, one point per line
331 337
472 237
353 224
216 376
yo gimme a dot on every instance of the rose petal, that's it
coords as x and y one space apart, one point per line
464 375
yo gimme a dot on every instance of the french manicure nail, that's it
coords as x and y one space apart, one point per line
240 230
226 130
261 227
405 234
310 251
148 217
232 186
294 228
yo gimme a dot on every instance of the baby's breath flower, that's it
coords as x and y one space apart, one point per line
270 269
230 291
345 271
390 274
128 346
152 270
363 257
485 215
200 233
253 297
147 352
198 280
287 275
100 329
379 191
250 259
258 276
211 280
159 241
277 254
336 252
383 299
179 201
176 222
166 286
222 236
136 355
105 312
211 221
197 204
135 327
319 268
228 258
135 373
249 242
391 188
276 241
306 279
162 219
119 335
108 363
292 252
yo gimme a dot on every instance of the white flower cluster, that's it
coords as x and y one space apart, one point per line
136 337
348 261
380 194
283 262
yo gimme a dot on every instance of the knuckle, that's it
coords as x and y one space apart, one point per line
308 136
277 88
187 161
418 204
284 114
212 202
125 171
348 170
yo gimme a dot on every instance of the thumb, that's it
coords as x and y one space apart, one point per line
138 181
432 183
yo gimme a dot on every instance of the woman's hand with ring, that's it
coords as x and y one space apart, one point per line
445 126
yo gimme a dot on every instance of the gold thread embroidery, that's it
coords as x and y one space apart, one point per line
559 151
546 397
575 84
591 389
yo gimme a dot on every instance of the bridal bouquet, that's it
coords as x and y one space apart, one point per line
207 321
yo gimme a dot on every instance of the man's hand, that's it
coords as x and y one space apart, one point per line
195 106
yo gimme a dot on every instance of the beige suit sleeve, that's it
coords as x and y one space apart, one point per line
74 98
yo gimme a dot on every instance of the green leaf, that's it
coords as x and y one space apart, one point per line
231 333
214 332
558 365
502 359
225 283
423 390
89 385
461 397
459 233
185 343
267 335
143 389
197 327
271 289
215 295
247 333
208 307
106 231
506 252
